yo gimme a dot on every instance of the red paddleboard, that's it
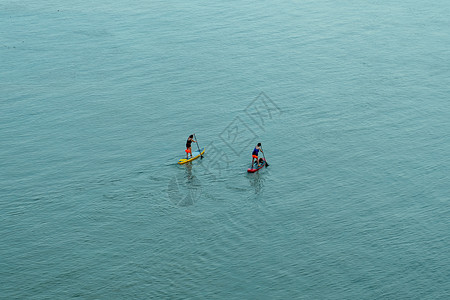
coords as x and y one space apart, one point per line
255 168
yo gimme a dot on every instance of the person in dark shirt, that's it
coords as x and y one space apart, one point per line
188 145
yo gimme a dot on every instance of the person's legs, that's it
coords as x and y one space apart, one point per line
253 159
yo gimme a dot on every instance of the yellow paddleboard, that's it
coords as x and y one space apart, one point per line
195 154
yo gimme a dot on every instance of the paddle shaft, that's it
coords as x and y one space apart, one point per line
201 156
264 157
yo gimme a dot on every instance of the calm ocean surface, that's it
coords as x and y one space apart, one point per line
351 101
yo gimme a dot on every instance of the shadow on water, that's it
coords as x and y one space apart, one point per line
184 189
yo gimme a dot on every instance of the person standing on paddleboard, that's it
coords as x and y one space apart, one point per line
255 154
188 145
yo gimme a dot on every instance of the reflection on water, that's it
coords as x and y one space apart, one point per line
256 181
184 189
188 173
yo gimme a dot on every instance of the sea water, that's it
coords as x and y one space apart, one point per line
350 100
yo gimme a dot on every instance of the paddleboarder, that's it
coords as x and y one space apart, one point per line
255 154
188 145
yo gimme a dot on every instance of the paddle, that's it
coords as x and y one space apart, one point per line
267 164
201 156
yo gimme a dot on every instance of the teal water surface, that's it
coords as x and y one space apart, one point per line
349 99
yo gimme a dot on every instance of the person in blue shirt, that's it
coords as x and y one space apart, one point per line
255 154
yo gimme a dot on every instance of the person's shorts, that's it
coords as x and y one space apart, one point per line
255 156
187 150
